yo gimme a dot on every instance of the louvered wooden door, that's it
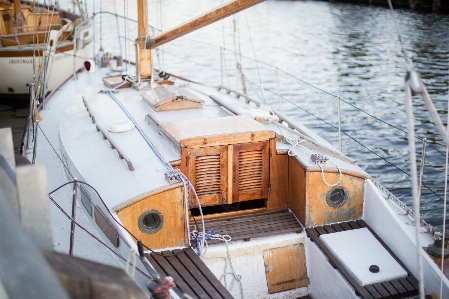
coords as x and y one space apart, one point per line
207 171
250 171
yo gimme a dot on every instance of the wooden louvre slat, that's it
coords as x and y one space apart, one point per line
207 175
206 168
250 170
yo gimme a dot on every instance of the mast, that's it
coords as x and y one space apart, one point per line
144 55
146 43
18 16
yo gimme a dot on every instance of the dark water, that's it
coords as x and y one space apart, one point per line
344 49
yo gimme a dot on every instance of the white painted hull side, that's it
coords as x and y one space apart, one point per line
18 72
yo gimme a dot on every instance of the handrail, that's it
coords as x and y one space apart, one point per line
238 95
106 136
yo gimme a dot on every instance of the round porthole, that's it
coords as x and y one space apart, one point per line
151 221
337 197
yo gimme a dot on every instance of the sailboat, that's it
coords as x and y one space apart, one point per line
208 194
39 40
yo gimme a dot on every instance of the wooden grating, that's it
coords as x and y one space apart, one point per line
396 288
250 170
207 175
253 225
189 272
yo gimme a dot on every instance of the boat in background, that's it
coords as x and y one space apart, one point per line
40 41
225 195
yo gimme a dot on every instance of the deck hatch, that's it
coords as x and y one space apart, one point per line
358 250
396 288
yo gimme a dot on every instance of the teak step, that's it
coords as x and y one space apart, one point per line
189 272
397 288
254 225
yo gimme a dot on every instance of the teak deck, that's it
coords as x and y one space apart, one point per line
189 272
254 225
397 288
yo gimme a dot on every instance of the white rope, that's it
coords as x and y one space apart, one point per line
294 142
297 143
186 204
320 164
235 277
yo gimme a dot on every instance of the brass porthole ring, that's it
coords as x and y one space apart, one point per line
151 221
337 196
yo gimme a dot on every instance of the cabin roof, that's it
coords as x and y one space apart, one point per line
99 164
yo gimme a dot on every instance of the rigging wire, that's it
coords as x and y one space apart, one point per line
432 145
416 201
255 58
444 207
96 238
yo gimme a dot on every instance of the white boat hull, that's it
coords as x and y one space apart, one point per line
20 67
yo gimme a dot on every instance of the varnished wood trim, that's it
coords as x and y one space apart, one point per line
230 173
31 52
175 163
226 139
210 17
236 213
139 198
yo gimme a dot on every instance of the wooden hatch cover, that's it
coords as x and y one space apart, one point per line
167 97
217 131
285 268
